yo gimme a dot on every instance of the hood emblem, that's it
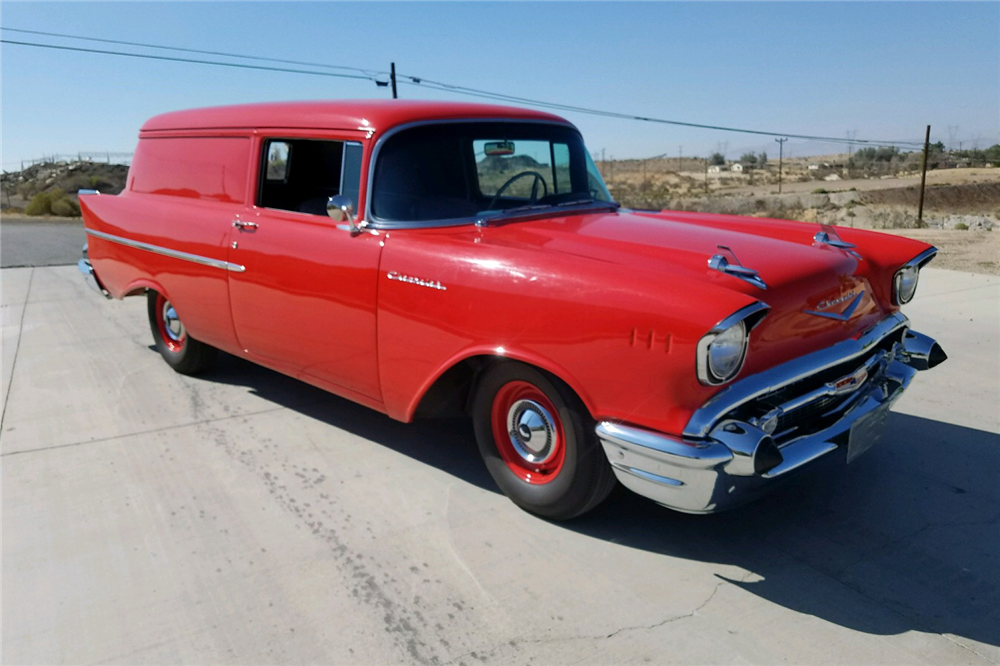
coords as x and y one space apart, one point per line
855 300
718 262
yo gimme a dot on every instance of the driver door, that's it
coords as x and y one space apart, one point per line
305 304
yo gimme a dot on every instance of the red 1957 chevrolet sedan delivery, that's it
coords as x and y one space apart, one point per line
426 258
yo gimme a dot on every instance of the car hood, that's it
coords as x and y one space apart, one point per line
818 294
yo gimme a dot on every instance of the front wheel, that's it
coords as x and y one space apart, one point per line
181 352
539 443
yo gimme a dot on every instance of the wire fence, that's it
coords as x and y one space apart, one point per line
102 156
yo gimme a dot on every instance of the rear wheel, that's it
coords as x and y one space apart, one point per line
539 443
181 352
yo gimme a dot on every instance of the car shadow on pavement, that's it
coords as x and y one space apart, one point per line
905 538
446 444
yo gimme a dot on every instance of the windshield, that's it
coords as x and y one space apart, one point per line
462 171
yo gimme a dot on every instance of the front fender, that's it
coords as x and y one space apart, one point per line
623 339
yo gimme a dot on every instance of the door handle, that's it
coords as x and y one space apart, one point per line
243 225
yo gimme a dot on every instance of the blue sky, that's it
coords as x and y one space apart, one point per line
882 69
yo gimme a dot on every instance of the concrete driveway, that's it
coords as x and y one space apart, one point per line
244 517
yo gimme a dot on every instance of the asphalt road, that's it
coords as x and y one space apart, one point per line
25 241
244 517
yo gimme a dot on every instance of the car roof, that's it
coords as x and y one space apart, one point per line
376 115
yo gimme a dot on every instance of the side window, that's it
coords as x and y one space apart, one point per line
560 168
300 175
350 183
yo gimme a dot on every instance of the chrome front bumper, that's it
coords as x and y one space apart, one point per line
726 456
89 276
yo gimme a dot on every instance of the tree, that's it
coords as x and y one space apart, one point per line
749 158
762 160
716 159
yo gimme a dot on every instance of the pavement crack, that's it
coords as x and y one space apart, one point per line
519 641
141 432
17 348
968 648
692 613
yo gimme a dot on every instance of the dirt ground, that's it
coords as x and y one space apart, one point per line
937 177
969 251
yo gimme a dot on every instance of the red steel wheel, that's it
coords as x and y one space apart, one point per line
169 325
528 432
538 441
183 353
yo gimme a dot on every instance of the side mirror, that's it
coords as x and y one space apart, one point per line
341 209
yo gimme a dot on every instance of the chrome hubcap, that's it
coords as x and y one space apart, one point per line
172 323
532 431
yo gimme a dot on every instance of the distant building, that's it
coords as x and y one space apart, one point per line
814 167
717 168
738 168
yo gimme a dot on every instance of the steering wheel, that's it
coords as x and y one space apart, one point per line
534 187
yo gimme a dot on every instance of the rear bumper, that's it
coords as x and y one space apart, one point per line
89 276
737 459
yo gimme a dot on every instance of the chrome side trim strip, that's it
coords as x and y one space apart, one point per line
167 252
744 390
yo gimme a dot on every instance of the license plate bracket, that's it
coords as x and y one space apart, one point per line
866 432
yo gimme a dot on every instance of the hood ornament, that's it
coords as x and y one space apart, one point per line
829 236
719 263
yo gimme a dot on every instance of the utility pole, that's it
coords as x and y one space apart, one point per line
680 156
952 133
781 159
923 179
392 77
850 145
706 176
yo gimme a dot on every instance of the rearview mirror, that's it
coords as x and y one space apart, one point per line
494 148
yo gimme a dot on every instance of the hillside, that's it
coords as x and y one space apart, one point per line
60 180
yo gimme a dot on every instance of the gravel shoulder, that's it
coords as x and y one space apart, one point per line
967 251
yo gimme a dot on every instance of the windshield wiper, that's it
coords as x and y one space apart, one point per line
590 200
531 208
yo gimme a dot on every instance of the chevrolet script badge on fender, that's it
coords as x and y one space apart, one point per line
433 284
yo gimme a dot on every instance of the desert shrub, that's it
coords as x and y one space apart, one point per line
65 207
962 226
52 202
40 204
820 190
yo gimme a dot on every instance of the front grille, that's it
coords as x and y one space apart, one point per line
818 414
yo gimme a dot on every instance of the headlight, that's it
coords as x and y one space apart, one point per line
905 283
725 353
721 354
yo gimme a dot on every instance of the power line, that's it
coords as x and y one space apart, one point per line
188 50
190 60
413 80
475 92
